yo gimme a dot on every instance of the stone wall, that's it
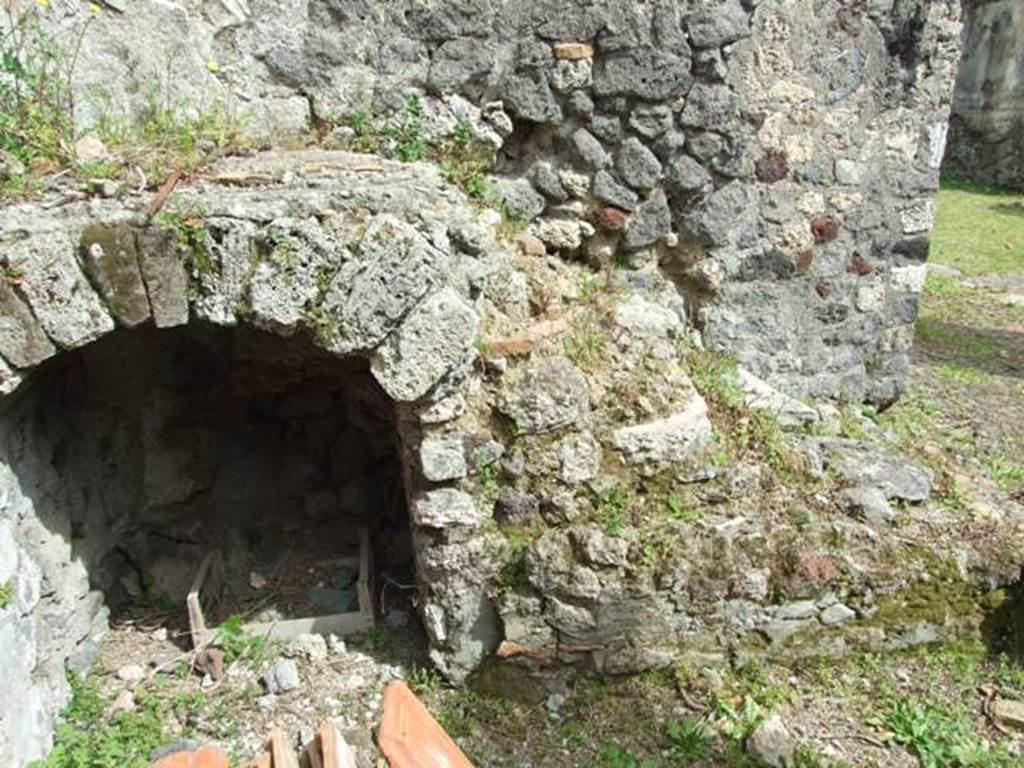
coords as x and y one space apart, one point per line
987 126
576 505
776 157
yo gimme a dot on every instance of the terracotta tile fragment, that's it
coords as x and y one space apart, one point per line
410 738
207 757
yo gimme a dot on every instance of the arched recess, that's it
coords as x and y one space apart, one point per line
320 292
131 458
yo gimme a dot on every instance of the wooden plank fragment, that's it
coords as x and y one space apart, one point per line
341 624
363 586
213 562
336 751
282 754
262 761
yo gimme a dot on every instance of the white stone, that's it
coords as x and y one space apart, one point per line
849 172
446 507
569 75
10 379
282 677
762 396
579 457
918 218
577 184
1012 300
560 234
910 279
667 440
640 316
790 92
445 410
90 149
935 144
871 298
310 647
131 673
67 307
837 614
771 744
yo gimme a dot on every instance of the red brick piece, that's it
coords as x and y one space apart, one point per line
825 229
859 266
612 219
207 757
772 167
410 738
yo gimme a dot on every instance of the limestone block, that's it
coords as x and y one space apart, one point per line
446 507
435 337
67 307
22 339
669 440
548 394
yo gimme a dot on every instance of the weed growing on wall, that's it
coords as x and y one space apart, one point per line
37 115
36 104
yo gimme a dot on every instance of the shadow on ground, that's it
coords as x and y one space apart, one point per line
992 350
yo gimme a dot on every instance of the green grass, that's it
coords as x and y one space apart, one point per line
963 374
6 594
978 229
1006 472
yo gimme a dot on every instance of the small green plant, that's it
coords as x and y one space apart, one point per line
689 740
612 509
614 756
1004 471
285 255
676 509
6 594
89 738
36 104
939 736
189 228
716 378
586 345
515 544
411 144
489 478
239 645
378 638
462 136
739 720
425 680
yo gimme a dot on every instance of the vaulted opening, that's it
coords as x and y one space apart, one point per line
149 449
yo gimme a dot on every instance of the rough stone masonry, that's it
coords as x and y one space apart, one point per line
987 127
757 173
776 157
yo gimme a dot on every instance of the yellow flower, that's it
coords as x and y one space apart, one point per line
43 3
213 66
94 8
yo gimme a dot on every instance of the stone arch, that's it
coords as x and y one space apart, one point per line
343 264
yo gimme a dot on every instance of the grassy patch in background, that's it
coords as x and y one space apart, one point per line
978 228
